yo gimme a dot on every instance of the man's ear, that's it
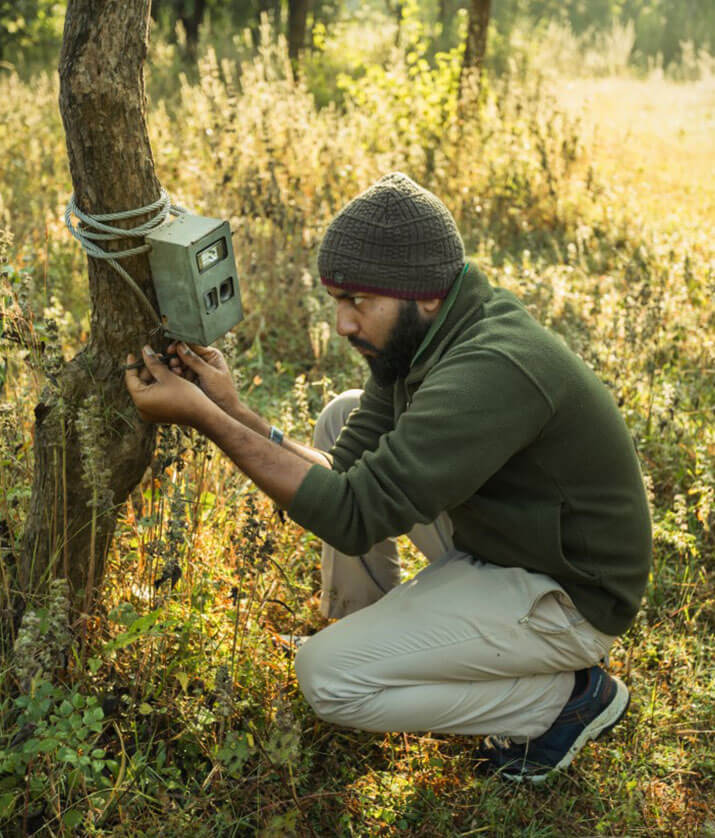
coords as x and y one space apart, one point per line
428 308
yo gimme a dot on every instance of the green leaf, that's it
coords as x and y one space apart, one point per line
93 715
32 746
139 627
7 804
206 504
7 784
145 709
72 818
236 751
67 755
124 613
39 746
94 664
48 745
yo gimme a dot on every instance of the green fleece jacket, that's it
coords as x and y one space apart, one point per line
500 424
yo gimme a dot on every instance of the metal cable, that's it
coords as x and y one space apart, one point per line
95 229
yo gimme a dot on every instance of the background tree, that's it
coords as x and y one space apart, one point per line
394 9
271 8
90 448
189 13
29 25
297 20
476 45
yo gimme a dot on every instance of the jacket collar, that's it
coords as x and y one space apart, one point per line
462 307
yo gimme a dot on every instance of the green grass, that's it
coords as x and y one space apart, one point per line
179 716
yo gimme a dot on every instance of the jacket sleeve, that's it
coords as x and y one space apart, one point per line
472 413
373 417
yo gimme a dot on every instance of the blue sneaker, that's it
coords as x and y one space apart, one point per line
599 706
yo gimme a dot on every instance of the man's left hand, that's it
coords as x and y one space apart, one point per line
162 396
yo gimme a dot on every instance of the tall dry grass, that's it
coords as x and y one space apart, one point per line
185 718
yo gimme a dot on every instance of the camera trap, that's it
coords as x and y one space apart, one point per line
195 278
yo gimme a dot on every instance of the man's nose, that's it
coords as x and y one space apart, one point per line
346 322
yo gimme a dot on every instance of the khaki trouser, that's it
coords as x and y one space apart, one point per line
464 647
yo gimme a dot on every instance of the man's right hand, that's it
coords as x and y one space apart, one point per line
207 368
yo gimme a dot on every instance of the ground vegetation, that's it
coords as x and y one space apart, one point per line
172 712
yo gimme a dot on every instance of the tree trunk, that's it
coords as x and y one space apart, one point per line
442 14
297 19
476 45
445 13
395 9
191 19
102 101
267 8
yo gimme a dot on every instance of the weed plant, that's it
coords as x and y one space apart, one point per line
178 714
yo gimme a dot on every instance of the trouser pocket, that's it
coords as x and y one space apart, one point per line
553 612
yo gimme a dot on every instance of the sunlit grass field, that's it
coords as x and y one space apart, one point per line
656 139
593 200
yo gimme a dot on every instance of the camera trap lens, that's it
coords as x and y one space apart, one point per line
225 292
211 300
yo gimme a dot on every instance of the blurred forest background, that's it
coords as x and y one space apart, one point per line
577 160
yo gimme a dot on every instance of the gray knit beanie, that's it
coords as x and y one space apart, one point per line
395 239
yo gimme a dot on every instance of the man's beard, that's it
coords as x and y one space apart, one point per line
394 361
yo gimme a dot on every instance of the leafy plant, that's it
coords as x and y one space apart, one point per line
181 715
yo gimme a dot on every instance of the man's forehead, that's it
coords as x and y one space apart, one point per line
340 294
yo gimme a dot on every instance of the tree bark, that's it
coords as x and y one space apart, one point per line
476 45
103 106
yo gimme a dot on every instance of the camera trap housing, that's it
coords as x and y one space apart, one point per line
195 278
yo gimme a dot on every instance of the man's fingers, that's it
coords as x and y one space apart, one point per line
176 365
138 378
192 359
202 351
131 377
153 364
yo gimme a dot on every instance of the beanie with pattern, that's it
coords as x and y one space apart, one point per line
395 239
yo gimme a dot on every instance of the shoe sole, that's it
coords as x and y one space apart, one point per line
600 726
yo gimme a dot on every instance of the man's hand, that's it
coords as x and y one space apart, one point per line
177 395
207 368
161 396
